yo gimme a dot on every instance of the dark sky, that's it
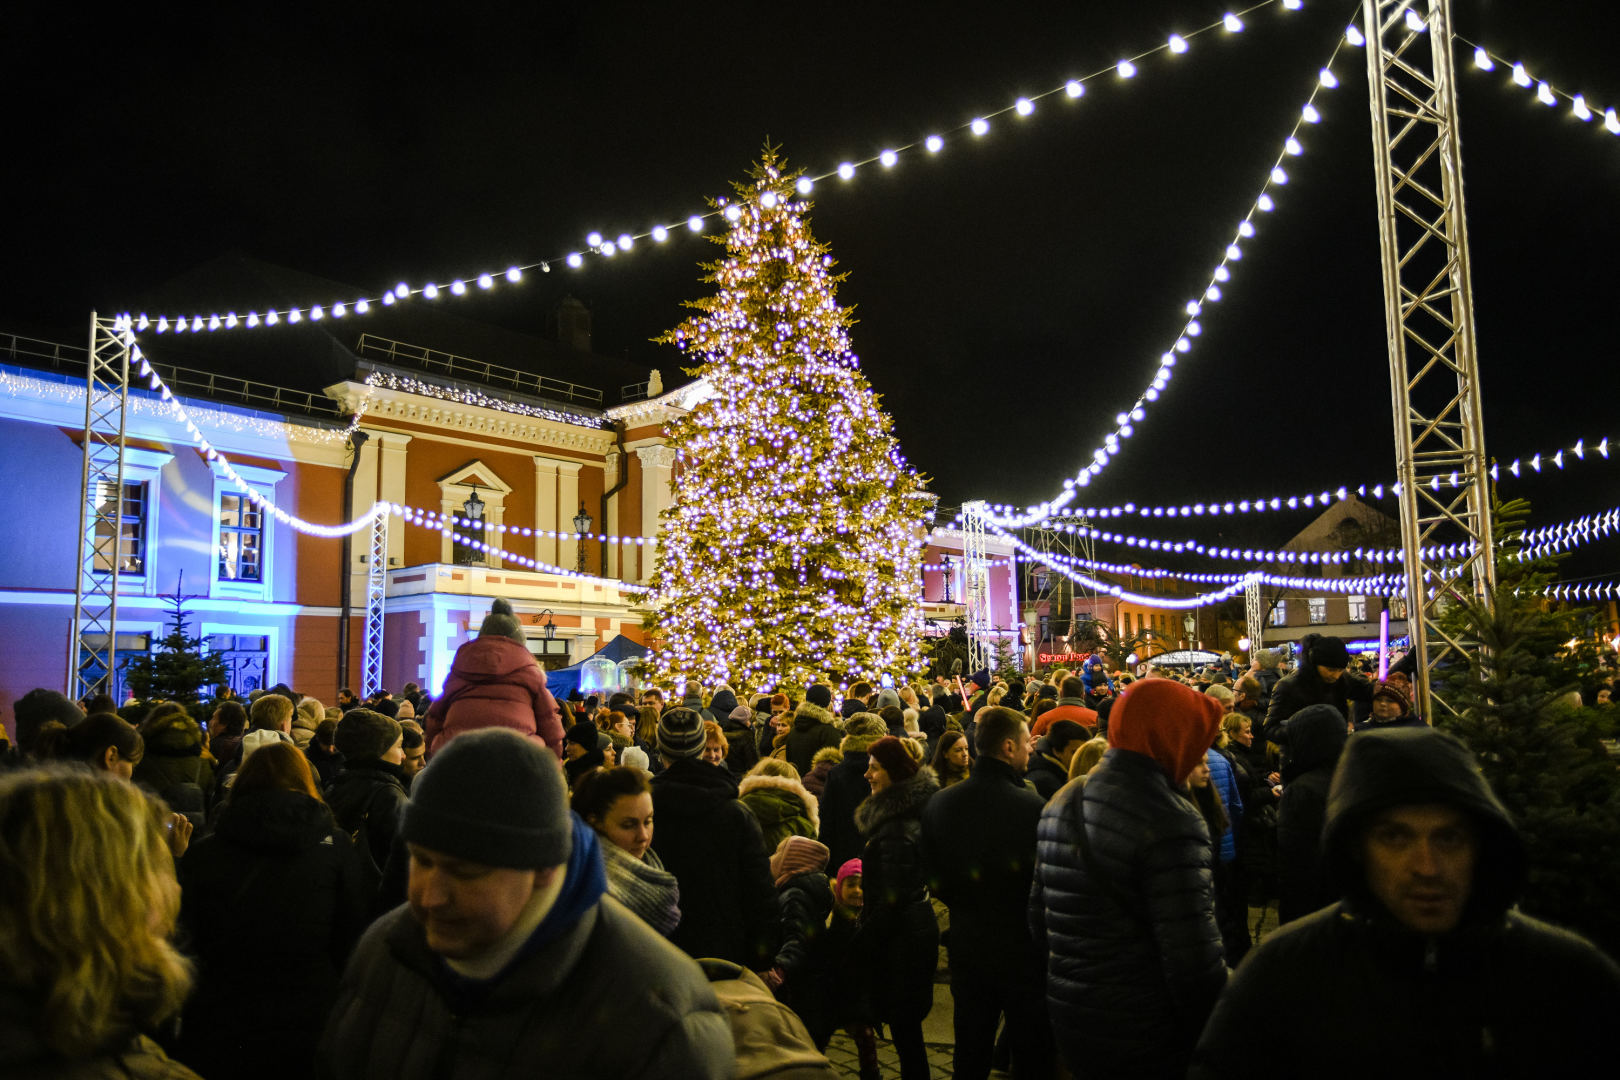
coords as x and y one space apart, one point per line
1014 292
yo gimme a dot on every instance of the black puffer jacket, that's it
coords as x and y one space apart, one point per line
1316 736
899 937
979 847
1129 984
174 766
272 903
805 901
846 789
1502 995
368 800
713 846
1303 688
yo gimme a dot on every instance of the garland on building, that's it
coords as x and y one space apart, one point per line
792 550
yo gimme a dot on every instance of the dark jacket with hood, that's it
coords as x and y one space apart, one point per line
174 767
368 800
403 1014
1046 773
1134 955
1501 995
494 682
845 791
1316 737
899 936
812 729
273 901
713 846
979 848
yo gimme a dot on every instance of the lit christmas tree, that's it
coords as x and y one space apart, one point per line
792 552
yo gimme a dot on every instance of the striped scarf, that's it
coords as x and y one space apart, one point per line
643 886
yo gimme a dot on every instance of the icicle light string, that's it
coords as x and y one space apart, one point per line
1518 75
1519 468
604 245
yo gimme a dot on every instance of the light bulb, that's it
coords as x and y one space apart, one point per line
980 126
1126 69
402 291
1245 229
1279 175
486 281
732 213
1292 147
593 239
1327 78
1611 122
1544 94
659 234
625 240
1232 22
1178 44
1414 22
362 306
1023 106
767 199
804 185
1074 88
1222 274
431 291
1353 36
1521 76
253 318
846 171
458 287
1579 108
888 158
316 313
295 316
575 260
1483 61
934 144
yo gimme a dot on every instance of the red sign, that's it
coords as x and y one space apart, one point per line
1062 657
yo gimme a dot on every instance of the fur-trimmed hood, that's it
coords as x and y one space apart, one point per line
830 754
173 735
905 799
808 715
785 787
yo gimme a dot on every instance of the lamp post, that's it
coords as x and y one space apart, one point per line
946 560
1190 622
548 626
582 525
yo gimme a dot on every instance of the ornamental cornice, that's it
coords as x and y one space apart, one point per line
656 457
665 407
457 418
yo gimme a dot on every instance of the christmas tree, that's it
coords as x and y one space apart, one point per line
792 551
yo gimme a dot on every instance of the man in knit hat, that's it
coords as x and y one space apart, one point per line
510 951
1123 904
714 847
367 796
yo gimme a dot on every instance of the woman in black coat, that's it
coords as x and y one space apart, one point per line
899 937
273 902
1316 737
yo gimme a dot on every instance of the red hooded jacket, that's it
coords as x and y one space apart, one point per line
494 682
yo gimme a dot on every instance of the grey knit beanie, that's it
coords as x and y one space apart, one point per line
494 798
500 622
363 735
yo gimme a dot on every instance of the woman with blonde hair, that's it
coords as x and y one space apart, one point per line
778 799
1087 757
88 903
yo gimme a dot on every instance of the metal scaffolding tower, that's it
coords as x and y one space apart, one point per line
1429 314
371 665
93 642
1254 611
976 575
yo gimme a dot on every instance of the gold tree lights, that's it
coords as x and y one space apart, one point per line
792 551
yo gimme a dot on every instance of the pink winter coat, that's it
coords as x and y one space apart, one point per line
494 682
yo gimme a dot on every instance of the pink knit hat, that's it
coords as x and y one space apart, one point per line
797 855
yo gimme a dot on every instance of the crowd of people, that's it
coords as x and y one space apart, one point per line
519 884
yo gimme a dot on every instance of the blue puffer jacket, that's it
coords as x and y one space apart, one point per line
1224 778
1133 967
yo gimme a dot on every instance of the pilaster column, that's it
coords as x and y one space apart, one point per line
657 471
567 507
391 484
545 508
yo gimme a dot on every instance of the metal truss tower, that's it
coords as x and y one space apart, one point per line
1429 315
93 641
976 575
1254 610
371 665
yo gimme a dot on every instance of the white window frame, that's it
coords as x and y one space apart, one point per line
1316 607
269 631
1356 609
263 481
1279 613
145 466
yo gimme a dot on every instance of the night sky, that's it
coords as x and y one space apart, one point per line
1014 292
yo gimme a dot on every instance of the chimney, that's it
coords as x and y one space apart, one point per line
574 324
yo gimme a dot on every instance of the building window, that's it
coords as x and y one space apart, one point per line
463 553
1318 607
244 541
1279 613
247 660
121 530
1358 608
241 539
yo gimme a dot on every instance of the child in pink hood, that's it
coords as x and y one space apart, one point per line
495 681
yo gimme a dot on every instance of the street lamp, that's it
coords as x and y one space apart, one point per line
582 525
1190 622
548 626
473 508
946 560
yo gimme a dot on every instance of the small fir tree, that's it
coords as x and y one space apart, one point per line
1004 660
791 552
1542 756
178 667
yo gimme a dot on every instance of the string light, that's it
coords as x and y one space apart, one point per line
1127 421
1486 60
